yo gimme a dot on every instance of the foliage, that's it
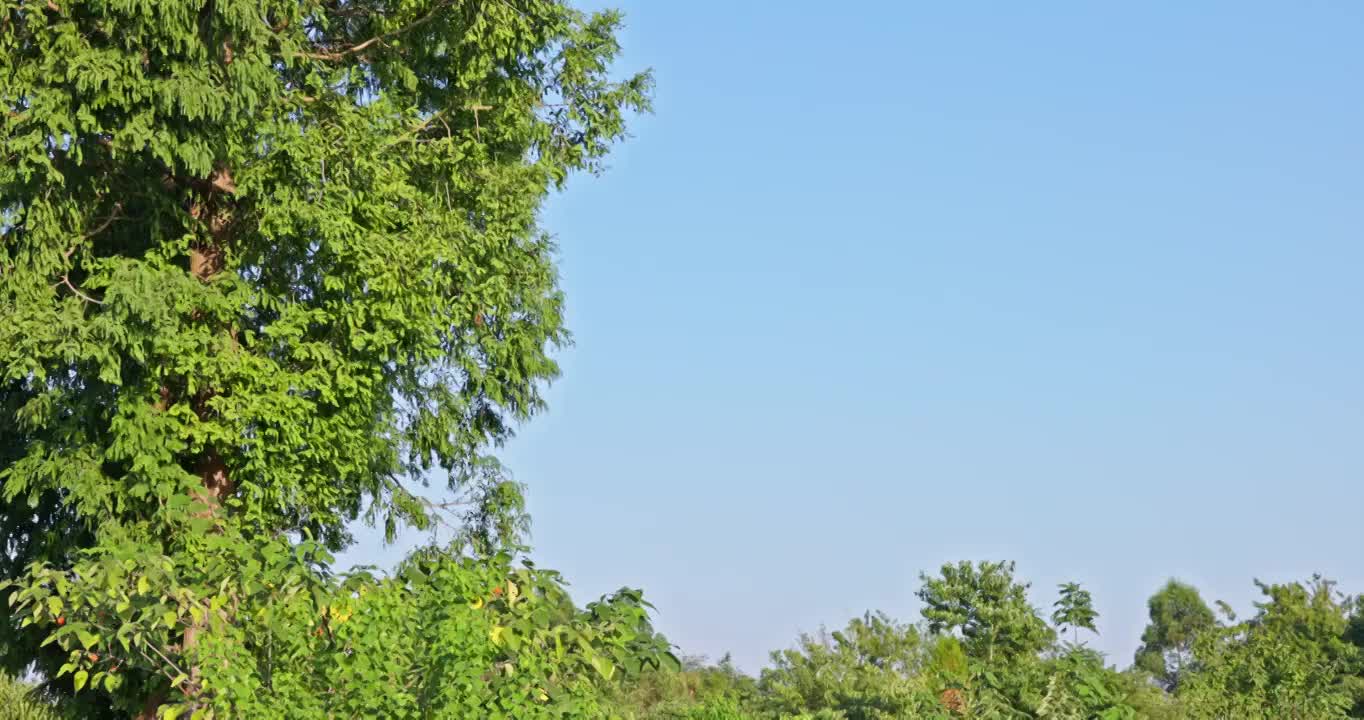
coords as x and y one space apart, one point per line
20 701
1298 657
269 267
697 688
1080 687
715 709
1148 700
1074 609
445 634
865 671
1291 660
1178 616
987 607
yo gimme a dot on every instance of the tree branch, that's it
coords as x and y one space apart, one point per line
67 282
359 47
115 215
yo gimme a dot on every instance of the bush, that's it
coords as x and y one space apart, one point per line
19 701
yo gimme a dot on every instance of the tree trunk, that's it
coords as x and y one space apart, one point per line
152 707
206 260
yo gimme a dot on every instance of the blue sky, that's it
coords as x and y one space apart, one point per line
895 284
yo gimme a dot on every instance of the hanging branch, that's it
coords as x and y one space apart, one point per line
67 282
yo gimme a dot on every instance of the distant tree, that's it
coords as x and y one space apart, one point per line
698 689
987 607
1354 634
1291 660
1177 616
866 671
1001 634
1074 610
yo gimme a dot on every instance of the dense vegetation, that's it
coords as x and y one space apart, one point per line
272 267
982 651
21 701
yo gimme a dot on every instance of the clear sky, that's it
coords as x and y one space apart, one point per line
882 285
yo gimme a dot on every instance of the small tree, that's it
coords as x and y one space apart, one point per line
1074 610
988 607
866 671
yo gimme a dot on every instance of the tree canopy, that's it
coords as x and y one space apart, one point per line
1178 616
268 268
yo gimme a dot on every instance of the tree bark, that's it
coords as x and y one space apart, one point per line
206 260
152 707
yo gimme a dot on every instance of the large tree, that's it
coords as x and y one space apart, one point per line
266 266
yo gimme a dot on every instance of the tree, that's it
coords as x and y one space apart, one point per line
988 607
698 689
866 671
1292 660
1080 687
1001 634
1178 616
1074 610
266 267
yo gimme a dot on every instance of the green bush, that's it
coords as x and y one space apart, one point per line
717 709
18 701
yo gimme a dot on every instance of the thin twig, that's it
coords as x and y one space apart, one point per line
476 107
115 215
164 659
424 125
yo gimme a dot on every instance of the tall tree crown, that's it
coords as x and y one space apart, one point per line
286 252
266 267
